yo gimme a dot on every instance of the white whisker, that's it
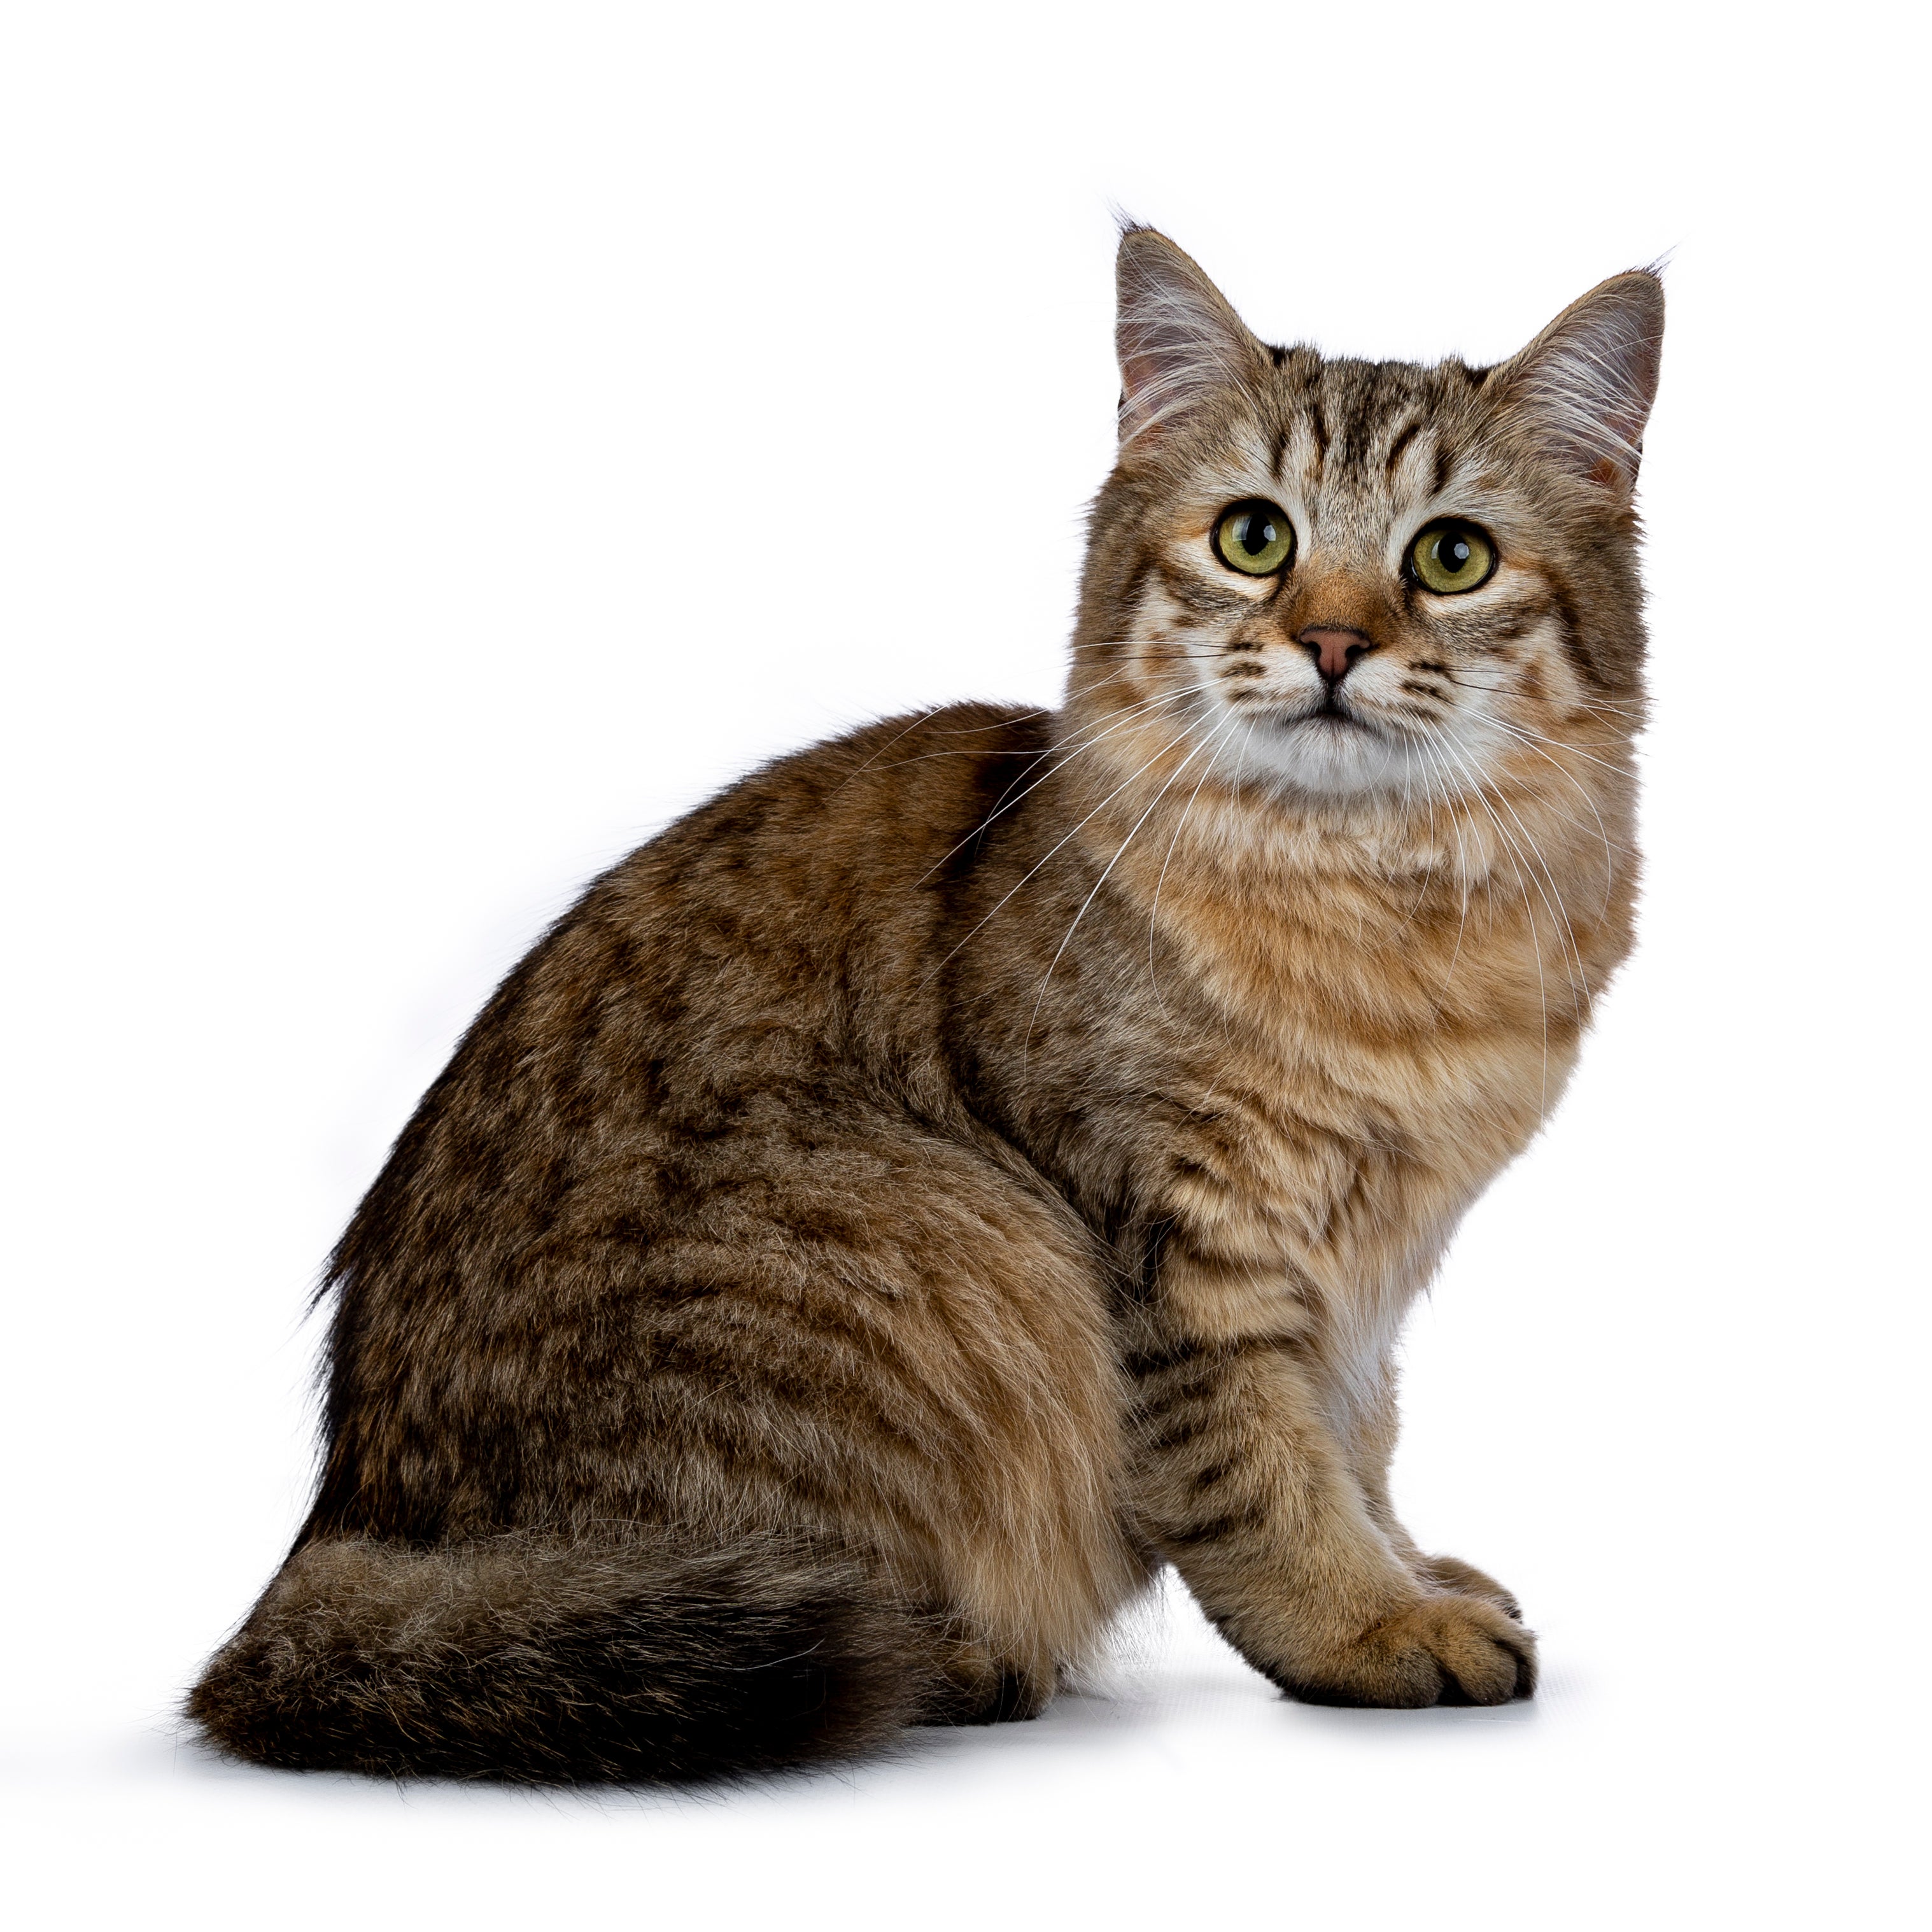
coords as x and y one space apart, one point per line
1055 848
1033 1017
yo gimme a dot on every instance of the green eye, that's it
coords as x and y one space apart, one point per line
1255 537
1450 557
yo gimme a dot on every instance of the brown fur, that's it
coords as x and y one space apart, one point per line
972 1162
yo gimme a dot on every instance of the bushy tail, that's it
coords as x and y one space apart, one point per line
550 1662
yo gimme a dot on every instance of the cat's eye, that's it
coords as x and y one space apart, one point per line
1255 537
1451 557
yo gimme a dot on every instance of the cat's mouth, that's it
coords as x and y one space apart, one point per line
1331 717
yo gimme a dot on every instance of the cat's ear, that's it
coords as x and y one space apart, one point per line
1178 340
1581 392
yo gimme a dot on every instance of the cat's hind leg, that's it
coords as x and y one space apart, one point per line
913 1353
775 1442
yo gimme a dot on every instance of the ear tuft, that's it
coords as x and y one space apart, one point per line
1581 391
1178 338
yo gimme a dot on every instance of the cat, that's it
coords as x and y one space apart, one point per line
972 1164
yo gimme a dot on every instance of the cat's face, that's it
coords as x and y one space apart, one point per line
1344 579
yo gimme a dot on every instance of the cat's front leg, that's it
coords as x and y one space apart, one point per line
1241 1482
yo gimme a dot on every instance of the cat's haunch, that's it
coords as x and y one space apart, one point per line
974 1162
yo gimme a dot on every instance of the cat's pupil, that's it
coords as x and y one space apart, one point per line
1454 553
1257 533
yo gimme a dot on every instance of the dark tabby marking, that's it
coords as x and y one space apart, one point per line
1404 437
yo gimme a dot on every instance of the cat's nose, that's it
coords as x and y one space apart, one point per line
1335 648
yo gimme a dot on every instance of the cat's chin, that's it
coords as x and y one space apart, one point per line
1327 756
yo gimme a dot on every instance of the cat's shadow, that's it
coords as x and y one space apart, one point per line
1197 1699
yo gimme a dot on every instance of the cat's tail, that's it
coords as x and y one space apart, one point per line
548 1661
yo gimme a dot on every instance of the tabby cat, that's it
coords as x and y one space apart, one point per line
973 1163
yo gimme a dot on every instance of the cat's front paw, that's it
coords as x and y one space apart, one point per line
1451 1573
1446 1649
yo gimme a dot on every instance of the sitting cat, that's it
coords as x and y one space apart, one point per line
974 1162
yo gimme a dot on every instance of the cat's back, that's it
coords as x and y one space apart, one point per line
787 929
769 954
820 855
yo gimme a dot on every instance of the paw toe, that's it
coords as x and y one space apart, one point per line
1487 1658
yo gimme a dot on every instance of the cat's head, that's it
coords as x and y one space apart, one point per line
1344 580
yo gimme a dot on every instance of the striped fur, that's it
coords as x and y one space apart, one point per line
972 1163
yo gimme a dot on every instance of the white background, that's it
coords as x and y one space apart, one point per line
439 446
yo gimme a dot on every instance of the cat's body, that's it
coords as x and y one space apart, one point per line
974 1162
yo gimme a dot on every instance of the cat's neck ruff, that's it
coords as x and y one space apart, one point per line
1562 813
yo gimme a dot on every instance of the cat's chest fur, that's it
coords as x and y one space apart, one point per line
1364 1059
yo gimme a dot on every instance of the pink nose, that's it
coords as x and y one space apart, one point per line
1334 648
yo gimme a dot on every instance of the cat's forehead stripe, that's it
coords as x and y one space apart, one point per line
1403 438
1359 420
